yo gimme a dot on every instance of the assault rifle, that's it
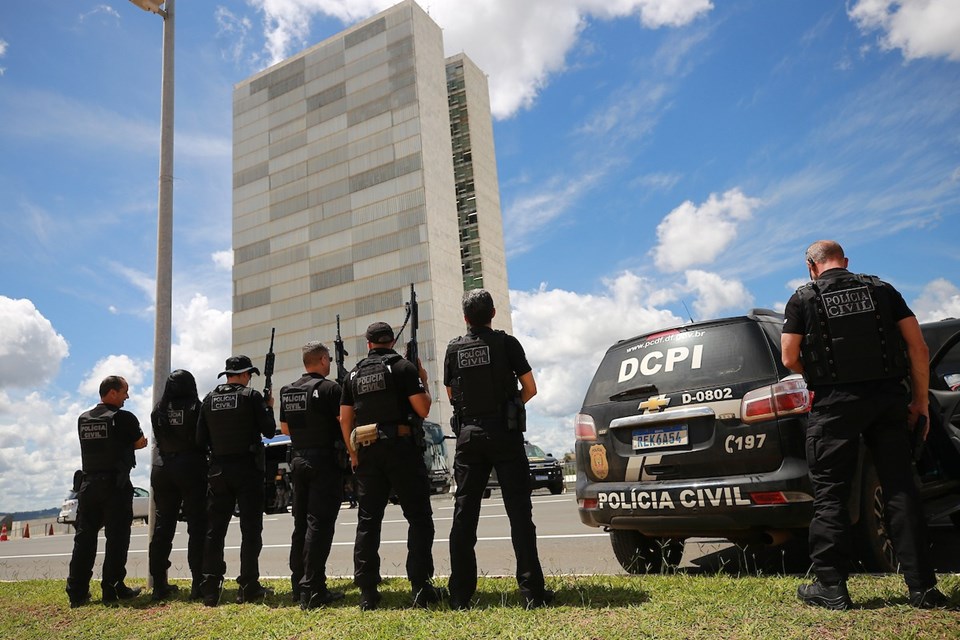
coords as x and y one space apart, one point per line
268 365
413 311
341 353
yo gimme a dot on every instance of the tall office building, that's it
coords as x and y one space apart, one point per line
356 174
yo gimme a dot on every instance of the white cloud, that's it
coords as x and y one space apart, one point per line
532 40
716 294
692 235
223 260
939 299
30 348
101 9
565 333
203 340
919 28
3 51
131 370
527 216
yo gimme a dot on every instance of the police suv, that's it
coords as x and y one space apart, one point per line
698 431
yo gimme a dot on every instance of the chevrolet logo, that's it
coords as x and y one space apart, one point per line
654 403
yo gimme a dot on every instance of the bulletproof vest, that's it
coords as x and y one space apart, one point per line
481 380
180 431
231 418
376 397
852 336
100 448
309 427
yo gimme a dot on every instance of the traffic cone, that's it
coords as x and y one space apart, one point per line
26 530
3 533
50 530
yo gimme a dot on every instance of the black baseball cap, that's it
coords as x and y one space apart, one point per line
379 333
237 365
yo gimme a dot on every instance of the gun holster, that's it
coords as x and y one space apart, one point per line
455 424
516 415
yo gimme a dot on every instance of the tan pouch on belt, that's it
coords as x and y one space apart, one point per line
364 436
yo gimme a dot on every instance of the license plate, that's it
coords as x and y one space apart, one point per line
671 436
540 477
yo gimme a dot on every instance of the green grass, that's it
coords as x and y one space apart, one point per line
618 607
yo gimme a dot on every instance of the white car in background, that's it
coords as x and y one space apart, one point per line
141 507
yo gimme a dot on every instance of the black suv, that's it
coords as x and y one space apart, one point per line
698 431
546 472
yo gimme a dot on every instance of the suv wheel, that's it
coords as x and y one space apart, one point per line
638 554
877 552
556 488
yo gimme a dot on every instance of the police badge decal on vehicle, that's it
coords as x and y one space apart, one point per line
598 461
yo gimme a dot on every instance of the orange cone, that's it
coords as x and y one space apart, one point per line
3 533
26 530
50 531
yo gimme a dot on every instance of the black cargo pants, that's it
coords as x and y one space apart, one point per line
181 481
317 494
832 444
479 451
395 464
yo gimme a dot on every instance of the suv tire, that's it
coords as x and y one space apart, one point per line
876 548
556 488
638 554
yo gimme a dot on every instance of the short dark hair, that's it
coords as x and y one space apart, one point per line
478 307
314 351
111 383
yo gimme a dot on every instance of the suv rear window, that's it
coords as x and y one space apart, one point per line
682 359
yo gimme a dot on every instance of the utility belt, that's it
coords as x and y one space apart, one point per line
366 435
514 418
170 455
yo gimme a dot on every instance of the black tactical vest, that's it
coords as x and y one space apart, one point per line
481 379
376 398
851 336
309 427
231 418
100 449
179 432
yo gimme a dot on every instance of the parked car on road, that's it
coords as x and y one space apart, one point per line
141 506
546 472
698 430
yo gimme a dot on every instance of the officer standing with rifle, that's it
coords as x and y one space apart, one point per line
385 400
309 412
232 420
854 340
108 438
480 371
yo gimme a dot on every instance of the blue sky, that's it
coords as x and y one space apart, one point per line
651 153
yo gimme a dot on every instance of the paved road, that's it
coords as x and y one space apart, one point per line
566 546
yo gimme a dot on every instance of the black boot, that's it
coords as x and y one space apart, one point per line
196 592
212 588
828 596
162 590
253 593
113 593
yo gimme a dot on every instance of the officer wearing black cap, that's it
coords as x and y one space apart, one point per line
854 340
309 414
233 417
385 399
480 371
179 482
108 438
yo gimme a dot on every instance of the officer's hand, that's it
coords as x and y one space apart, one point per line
354 461
269 400
422 371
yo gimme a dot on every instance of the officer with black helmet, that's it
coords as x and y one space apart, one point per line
385 399
854 339
233 417
481 370
178 482
309 414
108 438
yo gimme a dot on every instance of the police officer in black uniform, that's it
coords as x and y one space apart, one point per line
233 417
179 481
854 340
108 438
385 398
309 414
481 370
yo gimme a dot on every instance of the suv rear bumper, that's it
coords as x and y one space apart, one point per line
722 506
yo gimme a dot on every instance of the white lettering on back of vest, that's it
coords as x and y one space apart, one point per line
224 403
473 357
848 302
93 431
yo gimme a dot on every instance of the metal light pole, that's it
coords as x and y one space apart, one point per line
161 336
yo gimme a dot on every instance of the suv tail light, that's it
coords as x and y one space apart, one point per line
785 398
584 427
